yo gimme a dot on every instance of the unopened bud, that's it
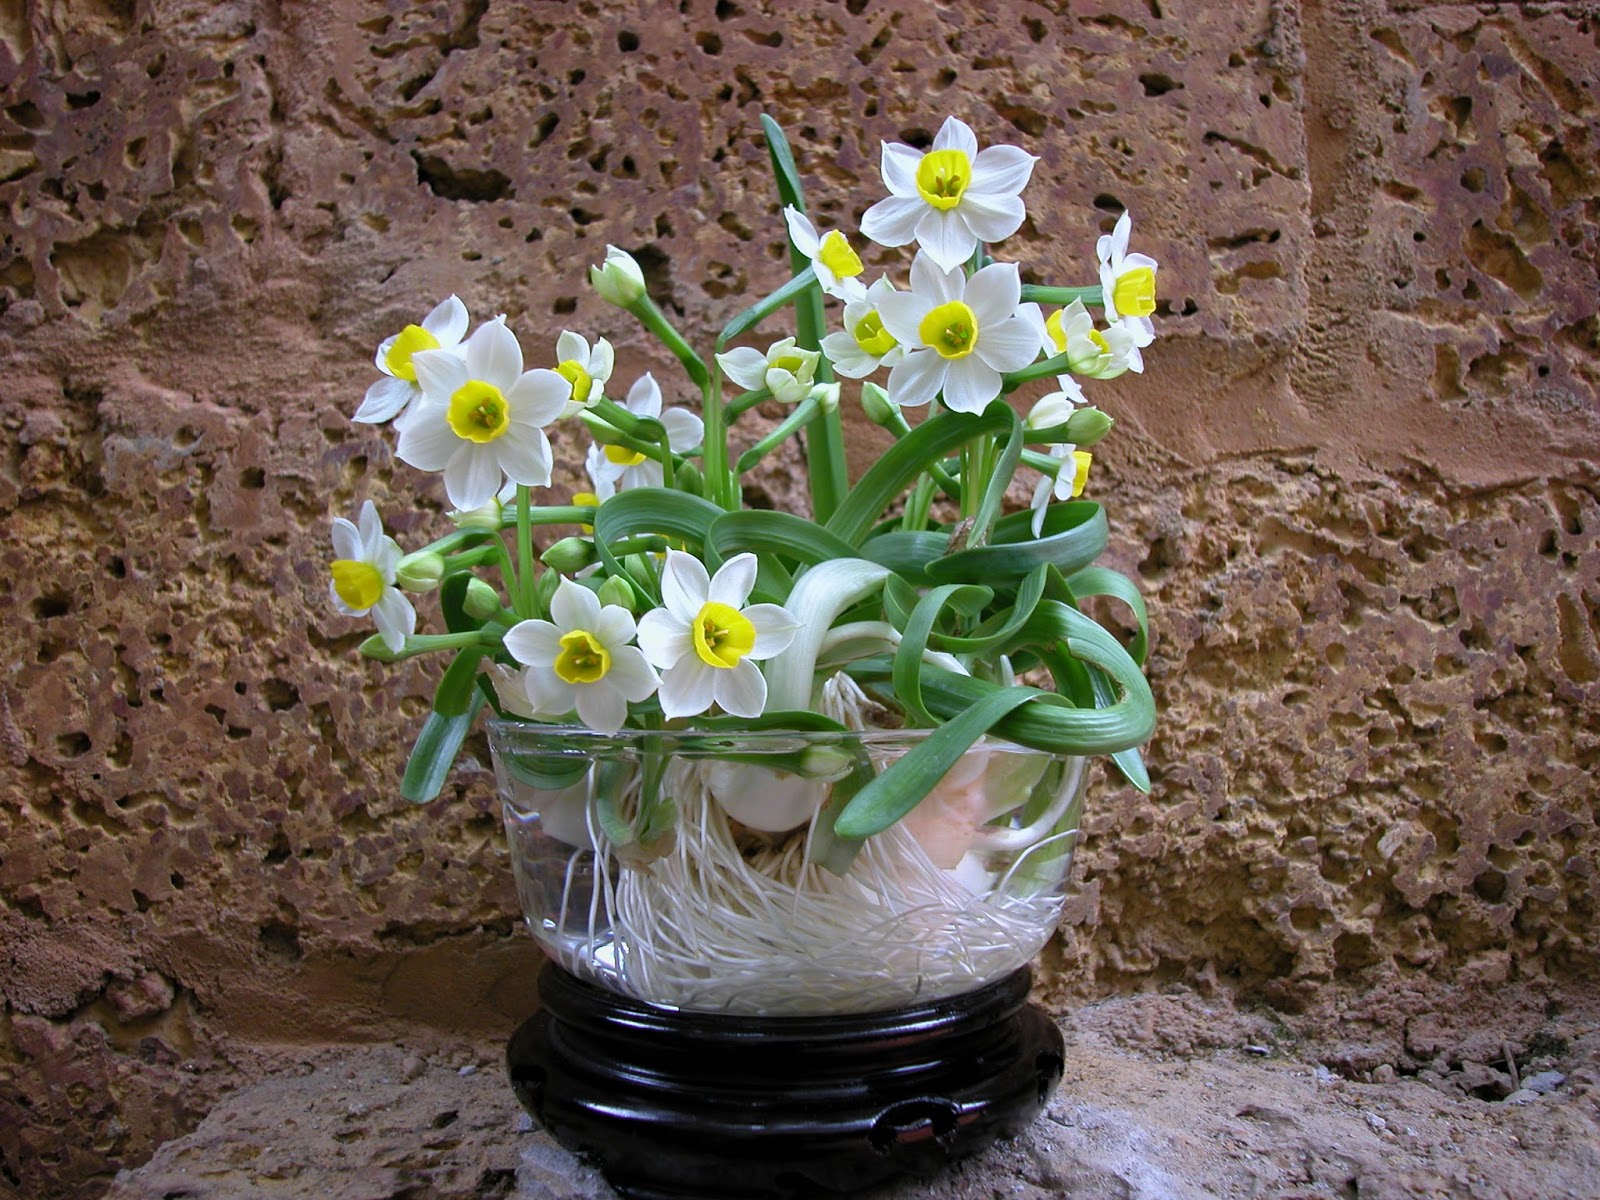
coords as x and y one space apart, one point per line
486 518
688 478
876 404
544 590
1087 426
827 396
616 590
420 571
619 279
569 556
481 601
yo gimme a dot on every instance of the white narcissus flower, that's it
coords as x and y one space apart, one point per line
784 370
588 371
1054 409
864 345
481 417
707 642
1089 352
617 468
837 266
961 335
1128 283
1067 482
952 197
441 329
363 577
581 659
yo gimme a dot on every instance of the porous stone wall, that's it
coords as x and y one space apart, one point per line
1358 482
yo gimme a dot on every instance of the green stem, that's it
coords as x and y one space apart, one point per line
744 402
801 416
428 643
524 603
1050 366
714 446
563 514
652 318
1062 295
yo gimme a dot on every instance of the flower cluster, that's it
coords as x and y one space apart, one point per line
668 602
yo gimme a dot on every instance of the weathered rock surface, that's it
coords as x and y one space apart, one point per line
1165 1098
1359 482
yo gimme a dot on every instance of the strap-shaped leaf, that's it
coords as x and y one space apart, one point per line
897 791
819 596
674 514
1130 762
765 532
905 460
966 598
1073 536
1004 627
1103 581
434 752
766 306
1001 473
906 552
455 691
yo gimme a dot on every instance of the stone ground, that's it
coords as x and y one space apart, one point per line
1164 1098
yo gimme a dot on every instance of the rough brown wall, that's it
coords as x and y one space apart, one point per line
1358 482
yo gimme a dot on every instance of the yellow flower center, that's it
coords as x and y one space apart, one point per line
872 337
722 635
398 358
942 176
951 329
1080 470
1134 292
791 363
585 500
574 373
479 412
623 457
1058 335
836 255
582 659
359 584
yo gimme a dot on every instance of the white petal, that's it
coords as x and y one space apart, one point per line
801 231
916 378
994 293
426 441
439 373
688 688
741 691
571 347
551 695
574 607
471 477
447 322
956 134
631 675
602 361
892 221
346 540
775 629
902 315
664 638
381 359
732 583
746 366
969 385
644 397
511 688
537 397
1000 170
395 619
1041 500
685 431
1119 237
900 163
1007 345
493 355
991 218
387 558
601 707
524 455
936 284
1139 260
614 626
946 238
534 643
384 399
848 358
370 526
684 585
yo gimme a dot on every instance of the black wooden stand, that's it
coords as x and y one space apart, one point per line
675 1105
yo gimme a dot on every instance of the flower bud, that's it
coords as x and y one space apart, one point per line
569 556
827 396
1087 426
616 590
420 571
876 404
688 478
544 590
486 518
619 280
481 601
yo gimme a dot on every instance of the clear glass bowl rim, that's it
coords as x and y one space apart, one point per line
517 736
